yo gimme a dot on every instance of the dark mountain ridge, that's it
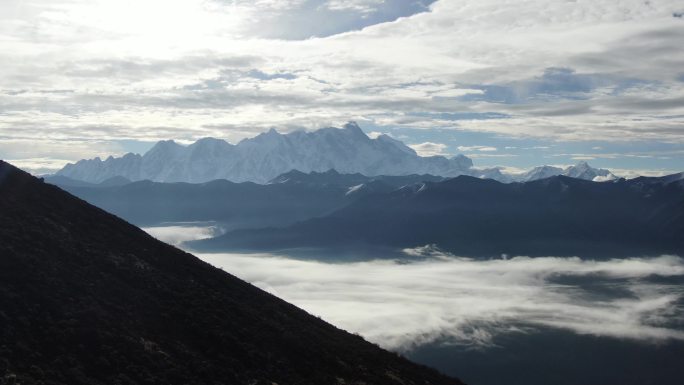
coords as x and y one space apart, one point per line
290 197
86 298
61 180
481 217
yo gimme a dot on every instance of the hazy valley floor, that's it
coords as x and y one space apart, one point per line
519 320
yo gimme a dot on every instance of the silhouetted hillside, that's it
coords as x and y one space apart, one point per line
480 217
86 298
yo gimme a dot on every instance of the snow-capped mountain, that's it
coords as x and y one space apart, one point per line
262 158
348 150
541 172
581 170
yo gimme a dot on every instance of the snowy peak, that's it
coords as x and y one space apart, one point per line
210 143
578 169
462 160
270 138
384 138
209 148
96 171
351 125
352 129
347 150
541 172
581 170
164 148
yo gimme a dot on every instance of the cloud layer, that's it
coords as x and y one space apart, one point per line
400 305
101 71
179 233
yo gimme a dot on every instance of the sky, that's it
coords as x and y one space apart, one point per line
512 83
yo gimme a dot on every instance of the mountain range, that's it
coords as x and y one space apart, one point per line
86 298
288 198
348 150
581 170
560 215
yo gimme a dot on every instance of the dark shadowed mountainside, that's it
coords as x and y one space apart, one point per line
291 197
86 298
559 357
479 217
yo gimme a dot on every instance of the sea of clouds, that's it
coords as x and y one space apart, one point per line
178 233
400 304
433 296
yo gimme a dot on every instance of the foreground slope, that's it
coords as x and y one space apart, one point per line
476 217
86 298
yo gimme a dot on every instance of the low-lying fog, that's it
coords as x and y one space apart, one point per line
177 233
441 297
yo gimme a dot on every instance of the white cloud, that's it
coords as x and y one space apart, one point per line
506 169
438 295
583 157
363 6
429 148
476 148
401 305
634 173
480 155
38 166
103 69
179 233
604 178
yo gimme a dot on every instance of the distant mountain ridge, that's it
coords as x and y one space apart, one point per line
581 170
290 197
559 215
348 150
60 180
